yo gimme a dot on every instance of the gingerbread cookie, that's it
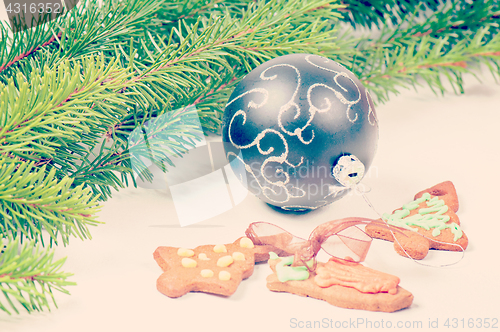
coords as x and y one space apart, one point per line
341 283
428 222
216 269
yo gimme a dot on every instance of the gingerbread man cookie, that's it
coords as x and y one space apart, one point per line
341 283
428 222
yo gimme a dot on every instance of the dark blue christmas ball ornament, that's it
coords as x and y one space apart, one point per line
300 131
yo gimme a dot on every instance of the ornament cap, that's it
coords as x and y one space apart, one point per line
348 170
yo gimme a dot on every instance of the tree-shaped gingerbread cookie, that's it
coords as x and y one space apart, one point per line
428 222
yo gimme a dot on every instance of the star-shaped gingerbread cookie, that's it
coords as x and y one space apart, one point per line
216 269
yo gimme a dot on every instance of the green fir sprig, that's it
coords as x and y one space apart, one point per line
33 200
29 275
457 38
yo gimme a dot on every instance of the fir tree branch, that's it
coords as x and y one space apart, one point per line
210 102
16 47
32 200
378 13
431 61
449 42
27 52
89 28
228 46
38 116
190 10
28 276
455 21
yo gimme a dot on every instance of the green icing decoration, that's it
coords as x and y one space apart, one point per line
286 272
428 218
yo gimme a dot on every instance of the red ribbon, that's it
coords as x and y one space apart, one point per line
341 238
